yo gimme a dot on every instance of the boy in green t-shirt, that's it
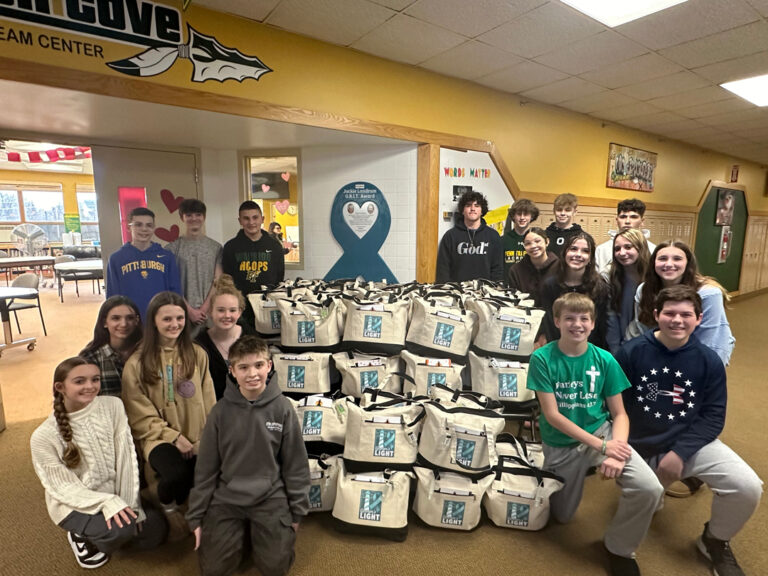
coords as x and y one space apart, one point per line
583 424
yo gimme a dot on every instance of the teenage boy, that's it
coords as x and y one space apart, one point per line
253 258
142 268
199 259
471 249
630 213
583 424
565 208
521 215
251 471
676 408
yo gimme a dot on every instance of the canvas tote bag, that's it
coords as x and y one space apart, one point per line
361 371
383 435
427 371
306 373
377 327
449 500
322 419
440 331
500 379
323 481
309 326
507 330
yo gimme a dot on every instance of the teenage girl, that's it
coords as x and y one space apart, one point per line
674 263
227 304
115 336
85 459
626 271
576 272
527 275
168 392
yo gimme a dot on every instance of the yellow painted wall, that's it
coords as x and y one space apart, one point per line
67 181
547 150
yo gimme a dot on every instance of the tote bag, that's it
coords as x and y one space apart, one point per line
507 331
500 379
306 373
323 482
309 326
426 372
322 419
376 327
361 371
449 500
440 331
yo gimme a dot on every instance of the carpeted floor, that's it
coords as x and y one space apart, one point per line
32 545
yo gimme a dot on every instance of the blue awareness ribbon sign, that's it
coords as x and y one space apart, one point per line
360 222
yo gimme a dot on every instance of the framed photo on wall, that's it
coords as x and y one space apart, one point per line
630 168
725 205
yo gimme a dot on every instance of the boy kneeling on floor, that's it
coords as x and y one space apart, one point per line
677 408
575 381
252 470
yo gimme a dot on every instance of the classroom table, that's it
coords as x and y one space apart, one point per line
86 269
8 293
33 262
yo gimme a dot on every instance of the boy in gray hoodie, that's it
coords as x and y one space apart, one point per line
251 469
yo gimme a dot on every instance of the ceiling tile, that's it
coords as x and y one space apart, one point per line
736 69
690 98
408 40
336 21
523 76
470 18
754 134
731 118
253 9
395 4
596 102
734 43
761 6
688 21
672 129
652 120
715 108
542 30
602 49
627 111
470 60
632 71
699 134
562 90
664 86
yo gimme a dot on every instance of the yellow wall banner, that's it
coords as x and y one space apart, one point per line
155 32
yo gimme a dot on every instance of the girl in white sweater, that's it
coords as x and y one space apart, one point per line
85 458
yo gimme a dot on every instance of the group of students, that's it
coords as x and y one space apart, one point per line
193 415
629 368
197 417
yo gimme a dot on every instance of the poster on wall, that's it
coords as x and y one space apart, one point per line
726 203
630 168
360 222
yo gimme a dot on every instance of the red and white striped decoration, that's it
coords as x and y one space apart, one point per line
68 153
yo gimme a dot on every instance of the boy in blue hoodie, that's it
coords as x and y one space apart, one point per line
676 408
142 268
252 469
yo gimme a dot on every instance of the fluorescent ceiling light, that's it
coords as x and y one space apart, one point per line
616 12
754 90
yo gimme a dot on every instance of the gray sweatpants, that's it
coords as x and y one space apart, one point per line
107 540
736 487
272 538
641 492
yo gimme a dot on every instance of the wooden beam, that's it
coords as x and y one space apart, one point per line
428 211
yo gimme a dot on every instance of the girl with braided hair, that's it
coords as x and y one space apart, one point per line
83 455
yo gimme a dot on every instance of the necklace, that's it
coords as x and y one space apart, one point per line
471 237
223 345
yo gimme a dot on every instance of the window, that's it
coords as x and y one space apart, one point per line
9 206
45 209
272 181
89 216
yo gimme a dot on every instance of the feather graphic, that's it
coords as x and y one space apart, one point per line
211 60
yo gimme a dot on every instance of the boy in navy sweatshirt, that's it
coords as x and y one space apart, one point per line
252 469
676 408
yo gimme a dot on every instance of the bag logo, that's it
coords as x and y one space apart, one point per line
369 379
465 451
384 443
306 332
295 377
510 338
453 513
508 385
313 423
443 335
372 327
315 497
517 514
370 505
435 378
276 319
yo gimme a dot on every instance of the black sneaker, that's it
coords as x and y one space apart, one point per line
719 553
621 565
86 554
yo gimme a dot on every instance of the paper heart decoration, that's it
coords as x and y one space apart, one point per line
360 218
167 235
282 206
285 176
265 187
171 202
